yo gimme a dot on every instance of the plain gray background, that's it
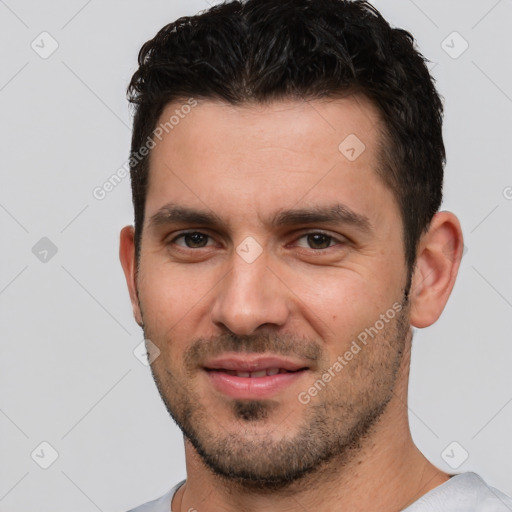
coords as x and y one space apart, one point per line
68 373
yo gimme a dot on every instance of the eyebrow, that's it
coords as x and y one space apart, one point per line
175 214
325 214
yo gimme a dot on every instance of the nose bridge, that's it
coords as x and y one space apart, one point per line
250 295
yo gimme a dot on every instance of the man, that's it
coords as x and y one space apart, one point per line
287 167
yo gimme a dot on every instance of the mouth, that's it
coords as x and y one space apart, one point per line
253 377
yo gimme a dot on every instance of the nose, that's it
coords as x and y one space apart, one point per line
249 297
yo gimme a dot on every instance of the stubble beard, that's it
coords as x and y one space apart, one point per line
334 426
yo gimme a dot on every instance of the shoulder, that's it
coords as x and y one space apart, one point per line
466 492
162 504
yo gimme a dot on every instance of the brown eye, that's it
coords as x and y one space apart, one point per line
193 240
319 241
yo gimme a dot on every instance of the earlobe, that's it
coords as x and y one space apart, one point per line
128 262
437 263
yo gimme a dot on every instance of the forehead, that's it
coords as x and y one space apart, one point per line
317 126
258 158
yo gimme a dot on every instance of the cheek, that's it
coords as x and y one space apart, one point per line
341 303
176 304
165 297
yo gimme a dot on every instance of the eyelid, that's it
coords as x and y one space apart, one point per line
171 239
339 239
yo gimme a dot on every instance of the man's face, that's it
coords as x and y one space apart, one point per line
269 247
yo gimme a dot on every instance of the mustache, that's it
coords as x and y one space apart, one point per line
203 349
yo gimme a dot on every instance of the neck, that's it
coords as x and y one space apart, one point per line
387 470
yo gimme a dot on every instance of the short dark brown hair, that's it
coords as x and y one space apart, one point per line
265 50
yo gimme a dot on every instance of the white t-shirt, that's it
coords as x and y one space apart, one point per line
466 492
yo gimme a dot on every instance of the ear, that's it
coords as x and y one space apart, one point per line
437 263
127 257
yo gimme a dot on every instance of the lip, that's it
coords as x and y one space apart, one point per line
251 388
253 363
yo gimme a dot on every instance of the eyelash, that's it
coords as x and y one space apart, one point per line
333 240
